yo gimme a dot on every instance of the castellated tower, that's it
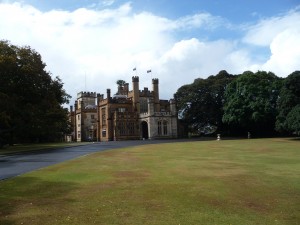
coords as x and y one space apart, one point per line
86 98
136 93
155 95
85 117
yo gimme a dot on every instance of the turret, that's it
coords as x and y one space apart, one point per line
99 98
76 105
155 95
136 93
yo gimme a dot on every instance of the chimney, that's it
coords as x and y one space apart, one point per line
108 94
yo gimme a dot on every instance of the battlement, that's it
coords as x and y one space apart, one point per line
135 79
83 94
145 93
154 81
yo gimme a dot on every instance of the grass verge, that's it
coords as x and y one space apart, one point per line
207 182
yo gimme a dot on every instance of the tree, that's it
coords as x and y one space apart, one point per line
33 100
201 102
121 83
293 120
250 102
288 104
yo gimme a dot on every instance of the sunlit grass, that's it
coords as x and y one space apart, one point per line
210 182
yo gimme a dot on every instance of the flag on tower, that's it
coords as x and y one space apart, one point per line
148 71
134 69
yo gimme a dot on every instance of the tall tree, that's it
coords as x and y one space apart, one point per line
293 120
201 102
250 102
288 104
33 100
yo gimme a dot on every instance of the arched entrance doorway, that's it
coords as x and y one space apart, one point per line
144 126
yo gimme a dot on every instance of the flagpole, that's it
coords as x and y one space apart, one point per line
150 71
134 69
85 81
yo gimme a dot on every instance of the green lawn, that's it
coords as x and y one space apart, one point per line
236 182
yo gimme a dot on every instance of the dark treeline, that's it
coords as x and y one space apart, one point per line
260 103
30 100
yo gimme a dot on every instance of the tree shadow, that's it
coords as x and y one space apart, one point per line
21 193
295 139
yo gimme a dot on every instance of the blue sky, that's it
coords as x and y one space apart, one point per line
91 44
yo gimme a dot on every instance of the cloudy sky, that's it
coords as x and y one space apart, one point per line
90 44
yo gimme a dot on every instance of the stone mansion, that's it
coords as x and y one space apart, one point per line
128 115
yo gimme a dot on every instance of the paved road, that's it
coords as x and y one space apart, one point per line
16 164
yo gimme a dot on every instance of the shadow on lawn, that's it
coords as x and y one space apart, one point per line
21 194
295 139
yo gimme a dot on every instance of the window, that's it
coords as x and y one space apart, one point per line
121 109
165 127
103 119
131 128
143 105
103 116
122 128
92 117
162 127
159 128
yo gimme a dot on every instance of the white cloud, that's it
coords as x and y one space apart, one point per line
107 2
91 49
190 59
101 45
263 32
281 35
285 49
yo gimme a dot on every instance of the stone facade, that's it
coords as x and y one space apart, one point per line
85 117
127 115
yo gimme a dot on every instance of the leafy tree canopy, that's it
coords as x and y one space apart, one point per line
30 100
289 99
121 83
201 103
293 120
250 101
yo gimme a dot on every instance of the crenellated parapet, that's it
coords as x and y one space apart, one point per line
154 81
135 79
84 94
145 93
